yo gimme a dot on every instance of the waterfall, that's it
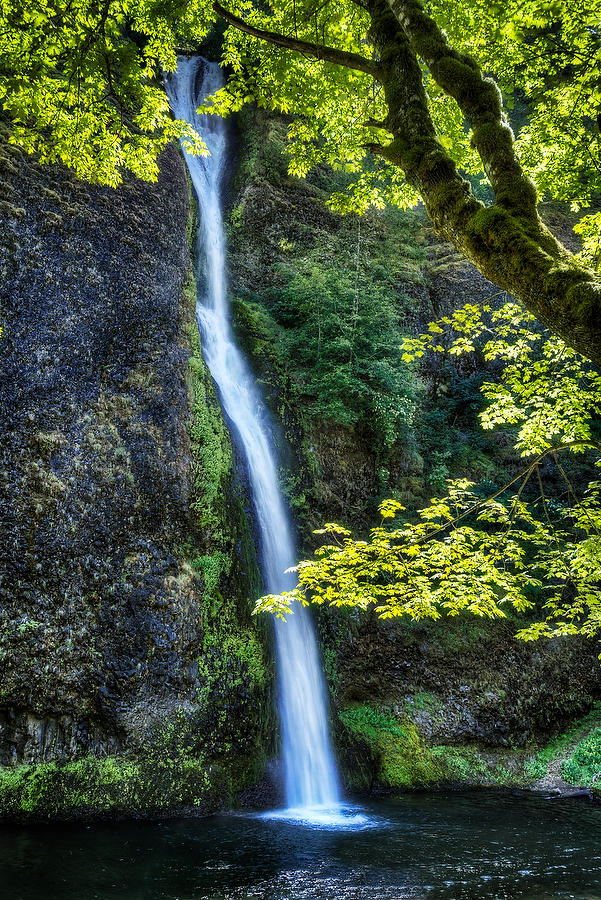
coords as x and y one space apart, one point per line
311 783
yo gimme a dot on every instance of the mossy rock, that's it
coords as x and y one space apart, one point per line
122 787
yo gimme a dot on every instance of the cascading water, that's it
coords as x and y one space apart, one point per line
311 783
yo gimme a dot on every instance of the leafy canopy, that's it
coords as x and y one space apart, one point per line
545 55
546 394
81 82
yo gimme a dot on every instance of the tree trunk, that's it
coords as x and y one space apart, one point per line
507 241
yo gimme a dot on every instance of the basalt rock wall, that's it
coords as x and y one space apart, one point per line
124 629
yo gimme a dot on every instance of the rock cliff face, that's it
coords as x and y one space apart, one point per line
471 703
124 635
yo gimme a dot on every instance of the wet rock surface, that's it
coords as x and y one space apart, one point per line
103 618
465 681
93 413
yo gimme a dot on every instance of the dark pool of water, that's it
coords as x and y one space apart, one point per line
452 846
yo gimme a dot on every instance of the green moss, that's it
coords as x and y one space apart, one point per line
233 711
471 765
262 154
173 773
333 629
209 442
402 758
231 651
92 787
9 211
423 700
212 566
584 296
492 220
257 332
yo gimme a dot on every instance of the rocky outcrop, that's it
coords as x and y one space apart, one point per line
125 629
465 680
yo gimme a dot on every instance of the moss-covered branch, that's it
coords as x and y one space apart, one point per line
479 99
317 51
507 242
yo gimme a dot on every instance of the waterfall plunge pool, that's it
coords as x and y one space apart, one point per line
456 846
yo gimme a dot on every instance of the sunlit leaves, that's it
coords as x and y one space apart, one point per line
546 56
330 103
589 229
81 82
546 393
550 397
464 555
408 571
468 554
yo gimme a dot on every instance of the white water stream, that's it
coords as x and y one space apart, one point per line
311 784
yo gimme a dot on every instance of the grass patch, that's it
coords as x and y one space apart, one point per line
583 767
558 746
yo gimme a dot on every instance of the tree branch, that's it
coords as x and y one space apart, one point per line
526 471
375 123
317 51
507 241
375 149
479 99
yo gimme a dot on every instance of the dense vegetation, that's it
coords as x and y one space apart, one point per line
281 233
326 300
341 335
476 553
